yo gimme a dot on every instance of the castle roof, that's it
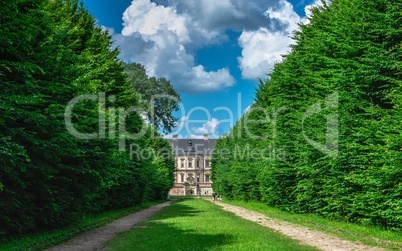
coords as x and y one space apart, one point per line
192 147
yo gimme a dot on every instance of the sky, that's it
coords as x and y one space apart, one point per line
212 52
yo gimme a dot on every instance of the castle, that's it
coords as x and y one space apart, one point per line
193 166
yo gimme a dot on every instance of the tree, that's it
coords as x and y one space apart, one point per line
51 52
158 97
340 131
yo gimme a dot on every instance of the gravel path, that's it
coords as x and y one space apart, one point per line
305 235
95 239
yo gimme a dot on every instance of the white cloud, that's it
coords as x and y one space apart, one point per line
309 8
233 14
156 36
263 48
209 81
210 128
285 14
186 128
148 18
164 35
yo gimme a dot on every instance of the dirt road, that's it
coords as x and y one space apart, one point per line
95 239
305 235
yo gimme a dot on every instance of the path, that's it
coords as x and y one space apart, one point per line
315 238
95 239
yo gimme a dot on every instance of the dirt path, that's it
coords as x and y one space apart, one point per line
305 235
95 239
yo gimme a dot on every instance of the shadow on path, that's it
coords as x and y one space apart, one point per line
163 231
95 239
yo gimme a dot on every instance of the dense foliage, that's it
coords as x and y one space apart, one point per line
51 52
158 98
324 135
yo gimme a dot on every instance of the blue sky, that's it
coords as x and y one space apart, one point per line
213 52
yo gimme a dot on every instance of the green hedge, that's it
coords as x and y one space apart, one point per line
332 123
51 52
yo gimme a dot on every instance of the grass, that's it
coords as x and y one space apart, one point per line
370 235
44 239
196 224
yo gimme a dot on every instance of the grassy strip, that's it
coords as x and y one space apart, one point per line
44 239
369 235
196 224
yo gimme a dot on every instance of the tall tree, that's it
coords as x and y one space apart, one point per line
339 88
51 53
158 97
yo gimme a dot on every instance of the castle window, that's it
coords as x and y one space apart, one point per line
190 163
182 177
207 178
207 163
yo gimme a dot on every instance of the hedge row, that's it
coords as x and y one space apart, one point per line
326 127
52 52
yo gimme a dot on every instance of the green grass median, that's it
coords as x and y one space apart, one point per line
197 224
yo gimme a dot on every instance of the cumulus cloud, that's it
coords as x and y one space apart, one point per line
148 18
159 38
186 128
263 48
210 128
308 8
164 36
234 14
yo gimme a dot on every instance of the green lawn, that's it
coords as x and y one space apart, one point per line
196 224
